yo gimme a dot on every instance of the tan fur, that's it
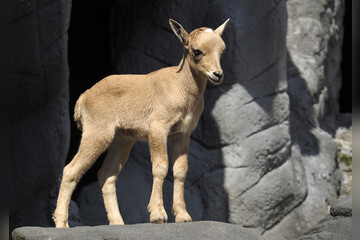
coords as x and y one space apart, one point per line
120 109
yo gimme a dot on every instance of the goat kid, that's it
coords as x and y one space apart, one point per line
120 109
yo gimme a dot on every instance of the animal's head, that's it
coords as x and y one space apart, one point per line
203 49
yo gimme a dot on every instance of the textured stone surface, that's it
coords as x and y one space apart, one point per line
314 42
343 207
39 116
195 230
338 225
331 228
323 181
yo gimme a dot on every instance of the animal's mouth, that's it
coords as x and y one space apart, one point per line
214 81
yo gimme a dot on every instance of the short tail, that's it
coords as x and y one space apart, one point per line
77 113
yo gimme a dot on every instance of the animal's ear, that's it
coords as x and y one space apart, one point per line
222 27
179 31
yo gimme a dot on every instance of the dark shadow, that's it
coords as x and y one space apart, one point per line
89 61
301 111
345 100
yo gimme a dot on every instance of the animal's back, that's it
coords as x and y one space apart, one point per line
126 101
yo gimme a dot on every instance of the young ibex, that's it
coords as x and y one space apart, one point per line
165 104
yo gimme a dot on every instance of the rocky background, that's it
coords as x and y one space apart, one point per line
263 155
39 107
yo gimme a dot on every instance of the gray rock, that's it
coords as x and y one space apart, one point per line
322 181
331 228
39 114
342 207
195 230
314 42
337 225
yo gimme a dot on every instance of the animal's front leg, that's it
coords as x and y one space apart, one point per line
160 165
179 153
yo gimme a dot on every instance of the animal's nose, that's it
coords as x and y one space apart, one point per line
218 74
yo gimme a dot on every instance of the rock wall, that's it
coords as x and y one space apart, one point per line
39 115
314 41
195 230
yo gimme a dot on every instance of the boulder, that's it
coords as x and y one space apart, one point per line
195 230
343 207
337 225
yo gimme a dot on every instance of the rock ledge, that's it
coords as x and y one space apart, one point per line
173 231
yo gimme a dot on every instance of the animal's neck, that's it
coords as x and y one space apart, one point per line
193 82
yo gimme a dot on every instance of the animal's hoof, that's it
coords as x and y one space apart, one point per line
160 221
159 216
184 217
60 223
183 220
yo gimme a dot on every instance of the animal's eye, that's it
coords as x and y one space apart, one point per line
197 52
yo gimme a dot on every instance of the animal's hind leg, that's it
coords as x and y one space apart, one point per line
92 145
115 160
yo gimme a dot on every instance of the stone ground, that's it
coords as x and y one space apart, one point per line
337 225
195 230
